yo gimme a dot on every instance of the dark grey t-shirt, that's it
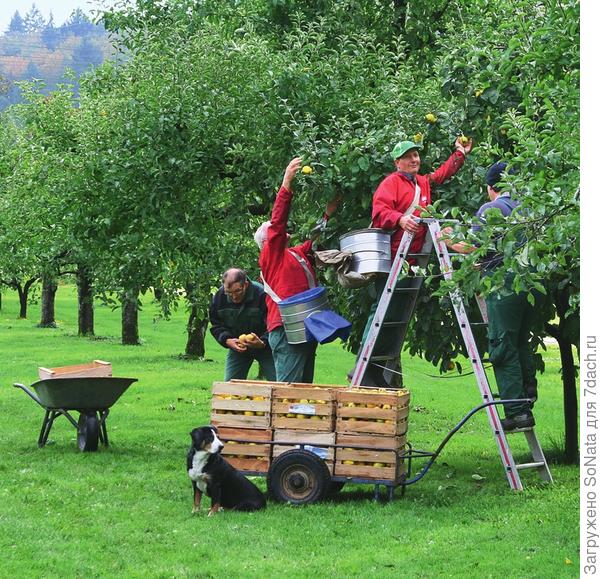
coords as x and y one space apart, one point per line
506 205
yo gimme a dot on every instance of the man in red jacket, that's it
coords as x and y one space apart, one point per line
286 271
397 203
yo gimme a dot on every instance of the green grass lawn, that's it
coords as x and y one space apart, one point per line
125 511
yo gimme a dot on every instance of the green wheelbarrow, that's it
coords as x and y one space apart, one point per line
91 397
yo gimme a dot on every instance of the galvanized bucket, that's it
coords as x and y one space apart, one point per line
370 248
295 309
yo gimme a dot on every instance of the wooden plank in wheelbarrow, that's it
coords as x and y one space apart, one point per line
93 369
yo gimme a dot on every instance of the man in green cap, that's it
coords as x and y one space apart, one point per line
398 200
397 203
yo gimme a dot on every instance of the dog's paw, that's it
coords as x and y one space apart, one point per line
214 511
195 511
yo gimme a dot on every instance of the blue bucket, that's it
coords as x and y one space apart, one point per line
295 309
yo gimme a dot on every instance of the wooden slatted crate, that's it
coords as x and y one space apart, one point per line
374 411
316 442
95 369
384 463
303 407
243 404
251 454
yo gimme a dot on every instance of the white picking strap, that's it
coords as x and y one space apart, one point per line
415 201
269 291
309 277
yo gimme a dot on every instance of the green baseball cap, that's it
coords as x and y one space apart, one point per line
402 147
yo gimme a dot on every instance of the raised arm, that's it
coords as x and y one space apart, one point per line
452 165
276 234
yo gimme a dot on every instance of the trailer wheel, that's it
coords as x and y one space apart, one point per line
88 431
298 477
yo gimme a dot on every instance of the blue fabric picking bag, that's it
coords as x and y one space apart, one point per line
325 326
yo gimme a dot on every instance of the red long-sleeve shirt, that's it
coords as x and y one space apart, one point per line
279 268
395 195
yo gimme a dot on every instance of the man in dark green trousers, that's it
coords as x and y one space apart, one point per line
510 317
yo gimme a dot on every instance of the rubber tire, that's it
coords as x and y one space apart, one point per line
298 477
88 432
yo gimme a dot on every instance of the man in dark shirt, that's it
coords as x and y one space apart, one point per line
238 310
510 317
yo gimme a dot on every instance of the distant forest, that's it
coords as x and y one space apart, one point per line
34 48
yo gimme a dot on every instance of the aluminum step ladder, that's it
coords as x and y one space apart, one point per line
390 359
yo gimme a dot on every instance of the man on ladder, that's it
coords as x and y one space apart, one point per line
397 204
368 357
510 317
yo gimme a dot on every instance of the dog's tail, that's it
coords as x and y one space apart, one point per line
248 506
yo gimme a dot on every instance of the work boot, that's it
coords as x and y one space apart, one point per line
525 420
531 391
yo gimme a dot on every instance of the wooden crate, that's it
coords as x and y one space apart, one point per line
383 463
97 368
244 404
373 411
303 407
317 442
252 454
258 382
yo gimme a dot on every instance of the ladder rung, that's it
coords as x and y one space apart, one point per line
393 324
525 429
406 290
418 254
383 358
479 324
526 465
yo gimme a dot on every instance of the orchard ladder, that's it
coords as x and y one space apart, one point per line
389 361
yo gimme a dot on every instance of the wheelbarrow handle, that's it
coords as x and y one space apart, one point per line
29 392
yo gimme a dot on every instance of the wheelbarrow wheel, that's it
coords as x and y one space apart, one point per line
298 477
88 432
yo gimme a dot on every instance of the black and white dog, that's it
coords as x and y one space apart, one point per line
213 475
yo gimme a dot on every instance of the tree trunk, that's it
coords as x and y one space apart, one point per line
23 291
22 301
196 327
570 400
49 287
569 374
129 319
85 297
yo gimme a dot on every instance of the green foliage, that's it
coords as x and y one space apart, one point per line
519 93
38 174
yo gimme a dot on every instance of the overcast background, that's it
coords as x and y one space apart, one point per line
61 9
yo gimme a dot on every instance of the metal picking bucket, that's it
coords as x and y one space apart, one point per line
295 309
370 248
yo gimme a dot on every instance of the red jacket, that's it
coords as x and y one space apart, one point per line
395 195
279 268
